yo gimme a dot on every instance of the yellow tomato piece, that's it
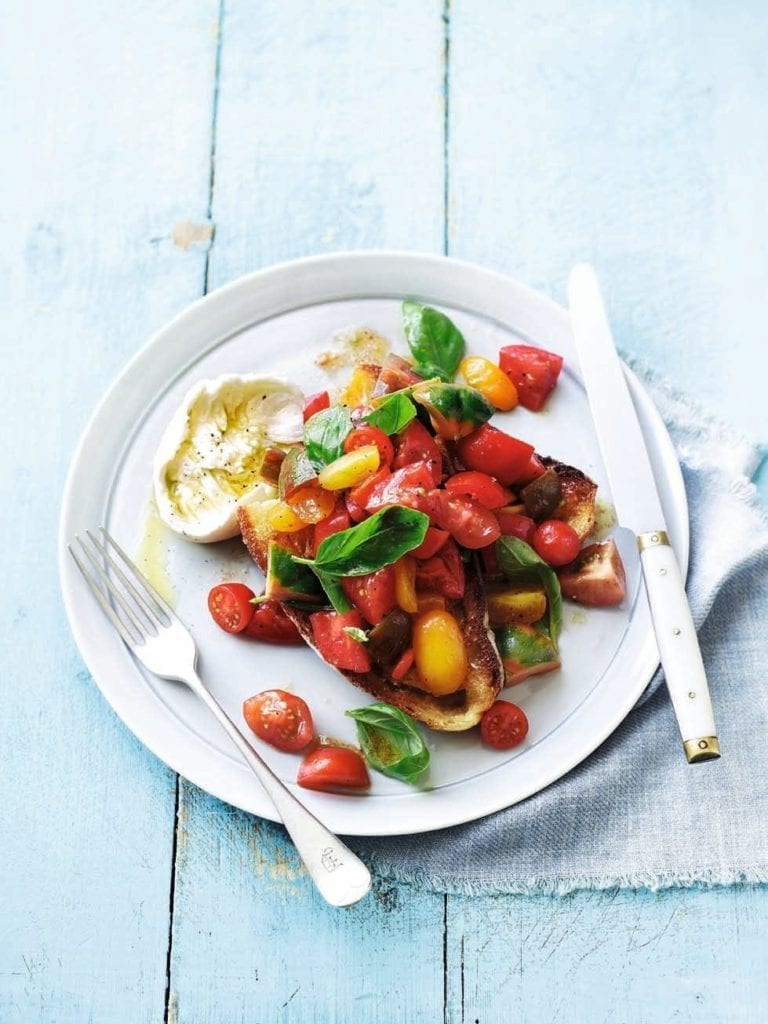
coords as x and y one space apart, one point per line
360 386
282 518
428 602
439 652
516 606
350 469
312 503
405 584
490 381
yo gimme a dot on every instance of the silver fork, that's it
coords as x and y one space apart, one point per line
159 640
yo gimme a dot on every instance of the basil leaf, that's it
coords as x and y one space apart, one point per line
372 544
332 587
394 414
435 341
357 634
391 741
325 433
454 410
518 561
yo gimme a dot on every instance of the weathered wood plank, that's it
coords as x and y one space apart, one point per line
329 136
105 136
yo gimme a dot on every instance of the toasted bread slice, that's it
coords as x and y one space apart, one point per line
577 504
453 713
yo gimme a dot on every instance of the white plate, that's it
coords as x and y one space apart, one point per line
277 321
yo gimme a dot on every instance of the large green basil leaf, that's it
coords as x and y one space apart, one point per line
325 433
391 741
435 341
454 410
520 563
394 414
378 541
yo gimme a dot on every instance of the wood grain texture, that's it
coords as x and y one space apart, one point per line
105 136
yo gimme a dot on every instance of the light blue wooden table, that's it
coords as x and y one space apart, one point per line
153 151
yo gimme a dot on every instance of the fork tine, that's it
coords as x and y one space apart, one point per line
154 615
131 613
105 605
139 578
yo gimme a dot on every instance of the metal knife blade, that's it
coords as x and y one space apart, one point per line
638 508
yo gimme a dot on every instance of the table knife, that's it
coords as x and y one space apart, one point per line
638 508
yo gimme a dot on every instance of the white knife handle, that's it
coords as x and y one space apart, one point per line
678 647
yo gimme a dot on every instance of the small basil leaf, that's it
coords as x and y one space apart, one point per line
454 410
332 587
518 561
372 544
357 634
435 341
325 433
391 741
394 414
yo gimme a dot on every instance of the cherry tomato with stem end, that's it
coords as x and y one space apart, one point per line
330 768
481 487
504 725
230 605
556 542
271 625
316 403
371 435
281 719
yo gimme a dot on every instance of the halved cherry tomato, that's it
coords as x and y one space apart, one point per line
403 665
556 542
316 403
271 625
350 469
490 381
443 573
408 486
330 768
373 594
513 524
337 647
468 523
281 719
337 521
481 487
533 371
283 519
504 725
229 604
312 503
433 541
492 451
416 444
367 434
439 652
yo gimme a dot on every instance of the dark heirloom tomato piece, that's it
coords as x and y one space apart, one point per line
329 768
443 573
373 594
492 451
597 576
281 719
337 647
271 625
395 374
416 444
230 606
533 371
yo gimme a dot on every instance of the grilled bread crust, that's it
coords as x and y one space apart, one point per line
577 504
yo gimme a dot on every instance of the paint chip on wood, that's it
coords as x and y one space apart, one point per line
185 234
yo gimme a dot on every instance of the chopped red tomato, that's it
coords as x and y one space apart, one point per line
533 371
597 576
481 487
433 541
416 444
330 768
513 524
271 625
316 403
337 647
403 665
409 486
556 542
504 725
492 451
468 523
443 573
280 718
337 521
367 434
373 595
230 605
534 469
357 498
396 373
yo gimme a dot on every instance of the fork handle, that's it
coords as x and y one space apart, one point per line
341 877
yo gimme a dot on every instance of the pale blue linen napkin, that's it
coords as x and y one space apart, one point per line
635 813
